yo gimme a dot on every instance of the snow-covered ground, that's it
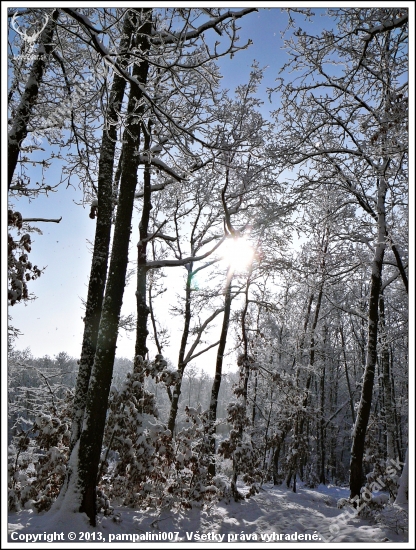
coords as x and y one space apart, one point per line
309 516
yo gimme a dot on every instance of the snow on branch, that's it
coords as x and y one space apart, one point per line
190 355
384 27
157 187
108 58
173 263
41 220
391 280
83 19
350 311
203 351
172 37
144 159
157 234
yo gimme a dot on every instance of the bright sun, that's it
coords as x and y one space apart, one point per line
237 253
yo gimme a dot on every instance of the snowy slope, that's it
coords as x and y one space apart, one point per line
268 517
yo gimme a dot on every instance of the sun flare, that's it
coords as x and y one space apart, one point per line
238 254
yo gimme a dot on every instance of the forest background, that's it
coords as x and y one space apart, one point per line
313 197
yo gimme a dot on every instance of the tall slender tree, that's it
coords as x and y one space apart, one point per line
148 48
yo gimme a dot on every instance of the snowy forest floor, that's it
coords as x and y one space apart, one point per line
269 515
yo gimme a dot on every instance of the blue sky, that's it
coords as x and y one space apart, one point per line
53 322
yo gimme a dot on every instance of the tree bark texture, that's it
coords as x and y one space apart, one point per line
245 364
99 387
347 378
101 250
387 390
322 428
181 359
141 305
363 412
218 374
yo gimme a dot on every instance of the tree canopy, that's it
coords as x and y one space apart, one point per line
287 232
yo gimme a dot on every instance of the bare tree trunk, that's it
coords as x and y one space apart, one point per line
266 432
98 391
181 360
341 331
253 412
245 361
363 413
301 345
312 349
322 427
388 398
276 459
397 424
100 255
153 319
218 372
141 305
333 431
302 341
